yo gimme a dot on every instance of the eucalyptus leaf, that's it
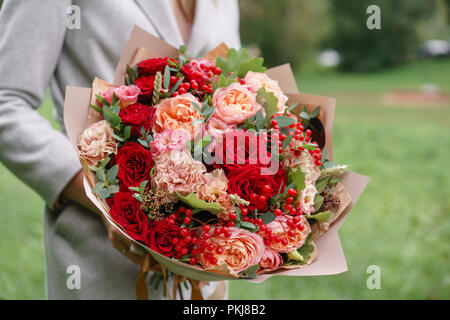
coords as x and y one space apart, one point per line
321 216
192 201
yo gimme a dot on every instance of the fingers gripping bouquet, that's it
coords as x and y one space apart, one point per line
211 166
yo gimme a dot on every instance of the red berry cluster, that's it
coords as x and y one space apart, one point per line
300 134
292 223
191 86
206 245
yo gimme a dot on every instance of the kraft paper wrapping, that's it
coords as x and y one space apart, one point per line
142 45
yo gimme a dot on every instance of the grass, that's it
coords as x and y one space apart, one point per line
400 223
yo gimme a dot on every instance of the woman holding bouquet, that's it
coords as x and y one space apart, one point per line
38 49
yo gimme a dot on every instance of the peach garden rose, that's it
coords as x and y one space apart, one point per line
241 250
176 113
285 237
256 80
234 104
270 260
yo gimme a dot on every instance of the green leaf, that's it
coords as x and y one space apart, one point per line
132 74
166 82
268 217
113 189
286 141
100 175
143 142
105 162
95 108
284 121
268 101
298 178
306 249
192 201
321 216
112 174
304 115
126 132
104 193
239 62
259 119
118 138
197 107
249 226
98 186
291 108
102 100
255 65
318 201
142 186
112 118
315 113
329 164
322 183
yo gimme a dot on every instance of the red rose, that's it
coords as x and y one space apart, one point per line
161 235
247 182
135 163
146 86
241 147
150 67
138 115
126 211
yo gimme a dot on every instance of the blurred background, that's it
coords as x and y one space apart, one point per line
392 123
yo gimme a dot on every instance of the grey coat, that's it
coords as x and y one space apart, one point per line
37 50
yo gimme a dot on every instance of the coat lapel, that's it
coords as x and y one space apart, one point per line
203 28
161 15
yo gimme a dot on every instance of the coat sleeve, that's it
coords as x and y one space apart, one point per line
31 38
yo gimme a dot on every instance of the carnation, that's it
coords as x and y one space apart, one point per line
303 160
306 201
168 140
96 142
178 171
214 189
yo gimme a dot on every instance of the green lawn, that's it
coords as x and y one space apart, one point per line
401 222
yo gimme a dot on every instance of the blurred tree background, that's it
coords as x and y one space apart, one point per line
297 30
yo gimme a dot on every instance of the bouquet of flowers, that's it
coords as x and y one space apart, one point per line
215 166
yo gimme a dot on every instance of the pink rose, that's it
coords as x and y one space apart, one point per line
126 94
270 260
234 104
97 142
241 250
280 228
168 140
256 80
